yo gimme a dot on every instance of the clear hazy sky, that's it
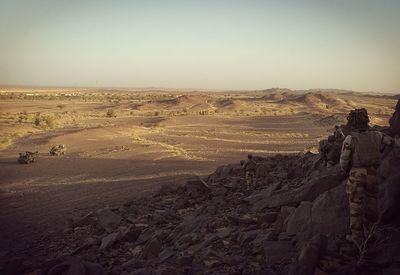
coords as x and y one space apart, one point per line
202 44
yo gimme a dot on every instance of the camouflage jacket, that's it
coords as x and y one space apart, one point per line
348 155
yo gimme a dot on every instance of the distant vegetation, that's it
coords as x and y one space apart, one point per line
111 113
44 121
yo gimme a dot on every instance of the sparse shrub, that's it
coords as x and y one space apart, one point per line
37 120
49 121
111 113
156 113
203 112
44 121
61 106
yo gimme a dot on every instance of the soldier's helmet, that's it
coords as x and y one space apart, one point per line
358 118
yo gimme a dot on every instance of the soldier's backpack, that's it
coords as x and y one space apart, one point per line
367 148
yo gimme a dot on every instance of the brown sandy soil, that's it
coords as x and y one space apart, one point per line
113 159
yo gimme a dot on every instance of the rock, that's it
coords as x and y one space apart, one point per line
81 221
262 170
391 271
394 122
166 254
75 266
93 269
109 240
390 202
196 186
14 266
285 213
247 237
144 236
167 189
129 234
152 249
108 219
309 256
142 271
305 193
300 220
278 251
269 217
258 196
330 212
241 220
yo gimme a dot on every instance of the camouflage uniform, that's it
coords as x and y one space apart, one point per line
361 153
250 169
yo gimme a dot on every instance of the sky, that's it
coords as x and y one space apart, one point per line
204 44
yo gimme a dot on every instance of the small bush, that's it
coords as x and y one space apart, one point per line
49 121
37 119
111 113
44 121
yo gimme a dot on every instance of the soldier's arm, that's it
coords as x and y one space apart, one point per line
345 156
388 141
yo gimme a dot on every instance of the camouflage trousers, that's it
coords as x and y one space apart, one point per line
363 190
249 179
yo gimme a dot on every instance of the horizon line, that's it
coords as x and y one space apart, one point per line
28 86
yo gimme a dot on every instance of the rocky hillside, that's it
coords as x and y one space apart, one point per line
293 222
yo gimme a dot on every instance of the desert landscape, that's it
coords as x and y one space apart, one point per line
126 144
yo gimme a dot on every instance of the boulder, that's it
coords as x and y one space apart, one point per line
309 256
278 252
394 121
74 266
129 234
300 221
152 249
330 212
196 186
268 217
108 219
308 192
109 240
262 170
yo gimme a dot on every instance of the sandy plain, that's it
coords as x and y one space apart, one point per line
126 143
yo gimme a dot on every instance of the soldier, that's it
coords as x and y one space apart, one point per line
249 167
360 157
329 151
